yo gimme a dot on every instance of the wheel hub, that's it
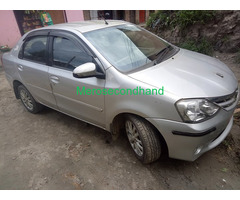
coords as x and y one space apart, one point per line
26 99
134 138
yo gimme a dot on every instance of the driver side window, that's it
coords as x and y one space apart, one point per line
67 55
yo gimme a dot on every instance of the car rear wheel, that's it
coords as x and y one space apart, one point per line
144 140
28 101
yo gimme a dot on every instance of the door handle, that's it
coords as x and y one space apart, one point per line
20 67
54 79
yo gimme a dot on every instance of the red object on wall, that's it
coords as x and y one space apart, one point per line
141 16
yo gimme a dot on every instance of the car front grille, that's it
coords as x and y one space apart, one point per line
226 102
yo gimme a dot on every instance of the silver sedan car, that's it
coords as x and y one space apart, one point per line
124 79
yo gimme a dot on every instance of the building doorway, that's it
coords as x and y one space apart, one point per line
142 16
30 19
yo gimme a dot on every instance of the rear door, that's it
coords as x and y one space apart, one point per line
68 52
33 69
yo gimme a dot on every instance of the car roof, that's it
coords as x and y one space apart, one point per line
86 26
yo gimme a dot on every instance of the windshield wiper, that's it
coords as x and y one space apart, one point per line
161 54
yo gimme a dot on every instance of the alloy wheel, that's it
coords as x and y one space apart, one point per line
134 138
26 99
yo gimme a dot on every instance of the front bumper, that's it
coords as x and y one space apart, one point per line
190 147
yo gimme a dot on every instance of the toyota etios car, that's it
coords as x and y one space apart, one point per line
123 78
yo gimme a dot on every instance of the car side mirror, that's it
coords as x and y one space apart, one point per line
87 70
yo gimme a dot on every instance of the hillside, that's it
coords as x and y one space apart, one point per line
202 31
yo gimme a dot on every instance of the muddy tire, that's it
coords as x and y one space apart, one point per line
145 141
28 101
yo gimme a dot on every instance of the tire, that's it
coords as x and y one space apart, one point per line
28 101
144 140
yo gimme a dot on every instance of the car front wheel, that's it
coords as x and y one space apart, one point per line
144 140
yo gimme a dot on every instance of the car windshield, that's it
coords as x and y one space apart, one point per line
127 47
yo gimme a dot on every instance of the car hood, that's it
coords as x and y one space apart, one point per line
189 75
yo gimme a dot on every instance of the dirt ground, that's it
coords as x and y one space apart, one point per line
51 150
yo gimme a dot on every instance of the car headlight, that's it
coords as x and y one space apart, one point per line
196 110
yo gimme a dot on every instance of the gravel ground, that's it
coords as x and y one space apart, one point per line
51 150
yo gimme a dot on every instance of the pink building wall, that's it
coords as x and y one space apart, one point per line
9 31
74 15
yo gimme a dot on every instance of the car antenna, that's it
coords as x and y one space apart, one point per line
104 19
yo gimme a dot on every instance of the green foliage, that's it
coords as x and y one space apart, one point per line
185 18
182 18
162 18
202 46
152 18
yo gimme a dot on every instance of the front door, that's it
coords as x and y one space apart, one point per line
68 53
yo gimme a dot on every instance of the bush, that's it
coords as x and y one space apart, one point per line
182 18
160 18
201 46
185 18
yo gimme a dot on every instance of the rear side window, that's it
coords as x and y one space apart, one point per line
67 54
35 49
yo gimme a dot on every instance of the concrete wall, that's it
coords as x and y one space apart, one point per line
9 32
74 15
137 17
